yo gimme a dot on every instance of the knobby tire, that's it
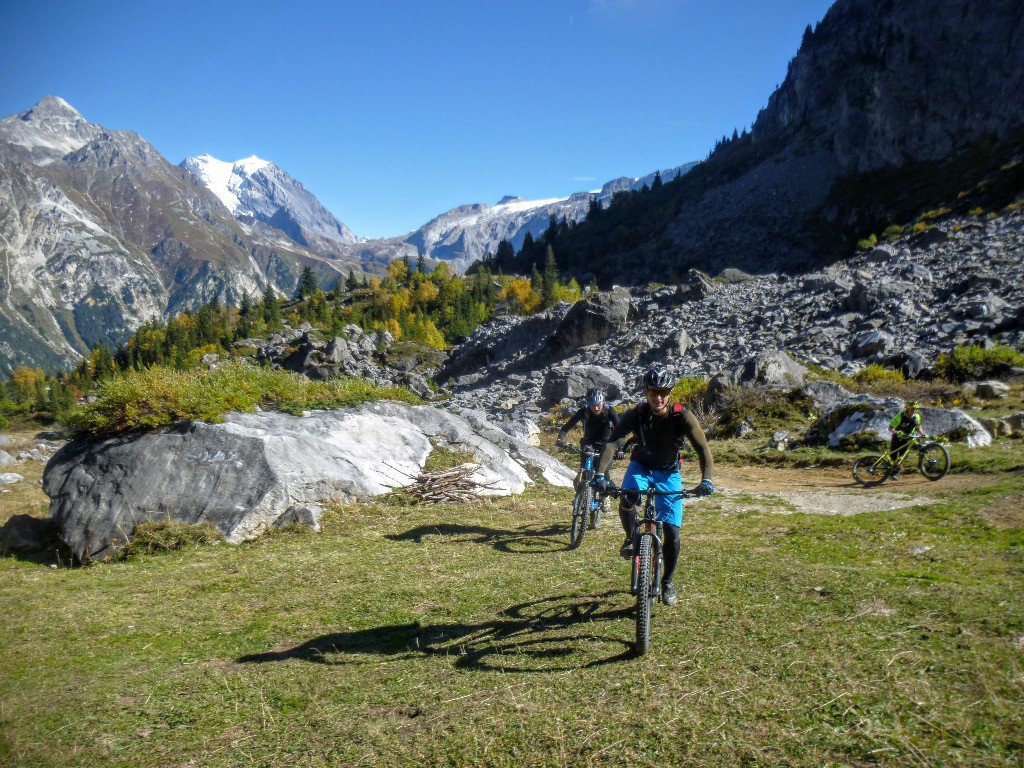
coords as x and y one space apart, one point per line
871 470
644 595
596 508
933 461
580 513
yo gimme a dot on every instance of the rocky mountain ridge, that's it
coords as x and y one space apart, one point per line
467 233
260 190
99 233
888 110
900 305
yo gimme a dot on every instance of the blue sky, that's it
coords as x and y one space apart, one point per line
394 111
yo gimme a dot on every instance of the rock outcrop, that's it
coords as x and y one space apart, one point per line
245 475
721 327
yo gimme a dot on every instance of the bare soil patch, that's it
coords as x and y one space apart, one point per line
827 491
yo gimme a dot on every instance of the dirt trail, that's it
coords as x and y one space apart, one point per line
826 491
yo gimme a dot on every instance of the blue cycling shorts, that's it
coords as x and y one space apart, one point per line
669 508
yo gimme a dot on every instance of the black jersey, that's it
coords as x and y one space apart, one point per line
597 427
659 438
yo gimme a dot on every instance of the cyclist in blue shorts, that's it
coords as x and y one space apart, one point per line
659 430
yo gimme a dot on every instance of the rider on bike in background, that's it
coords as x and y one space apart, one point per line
599 419
660 429
902 428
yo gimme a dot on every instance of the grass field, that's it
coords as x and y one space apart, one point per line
471 635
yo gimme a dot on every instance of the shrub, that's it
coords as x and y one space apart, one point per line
877 374
690 389
892 232
158 396
768 408
973 362
868 242
167 536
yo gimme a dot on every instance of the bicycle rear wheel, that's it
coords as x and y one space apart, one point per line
580 512
872 470
644 595
933 461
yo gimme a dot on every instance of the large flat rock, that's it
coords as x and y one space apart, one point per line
244 474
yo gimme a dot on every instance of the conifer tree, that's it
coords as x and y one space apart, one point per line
350 282
271 307
307 283
549 280
505 254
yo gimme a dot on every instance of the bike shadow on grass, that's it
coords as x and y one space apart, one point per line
557 634
525 540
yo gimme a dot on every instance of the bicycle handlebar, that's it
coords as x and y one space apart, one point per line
616 492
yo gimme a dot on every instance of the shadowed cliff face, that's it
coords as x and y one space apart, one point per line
889 109
886 83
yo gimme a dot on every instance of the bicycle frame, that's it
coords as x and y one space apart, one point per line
587 458
876 469
900 455
647 525
586 508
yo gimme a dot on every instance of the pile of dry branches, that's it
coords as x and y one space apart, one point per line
446 486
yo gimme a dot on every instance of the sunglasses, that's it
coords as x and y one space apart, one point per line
659 392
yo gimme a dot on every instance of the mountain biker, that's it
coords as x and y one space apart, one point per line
659 429
599 419
902 428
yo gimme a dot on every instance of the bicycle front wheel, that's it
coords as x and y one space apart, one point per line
872 470
644 595
596 508
933 461
580 512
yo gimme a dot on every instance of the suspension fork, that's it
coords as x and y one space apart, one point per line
654 529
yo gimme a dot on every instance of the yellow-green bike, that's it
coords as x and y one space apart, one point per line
932 462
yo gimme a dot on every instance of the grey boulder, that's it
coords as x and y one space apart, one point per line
953 423
572 382
592 320
246 474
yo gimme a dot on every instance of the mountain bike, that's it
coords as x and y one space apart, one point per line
645 572
932 462
586 507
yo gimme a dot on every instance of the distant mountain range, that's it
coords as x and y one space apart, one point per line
888 109
99 234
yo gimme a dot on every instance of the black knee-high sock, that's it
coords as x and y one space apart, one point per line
626 518
670 550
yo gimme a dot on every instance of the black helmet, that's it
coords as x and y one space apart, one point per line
595 396
658 377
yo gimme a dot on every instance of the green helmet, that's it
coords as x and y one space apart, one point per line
912 404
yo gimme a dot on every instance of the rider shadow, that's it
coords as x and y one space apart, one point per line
525 540
538 636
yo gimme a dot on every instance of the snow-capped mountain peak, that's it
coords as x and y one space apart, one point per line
225 179
257 188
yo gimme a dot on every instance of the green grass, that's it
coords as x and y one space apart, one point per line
471 635
158 396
